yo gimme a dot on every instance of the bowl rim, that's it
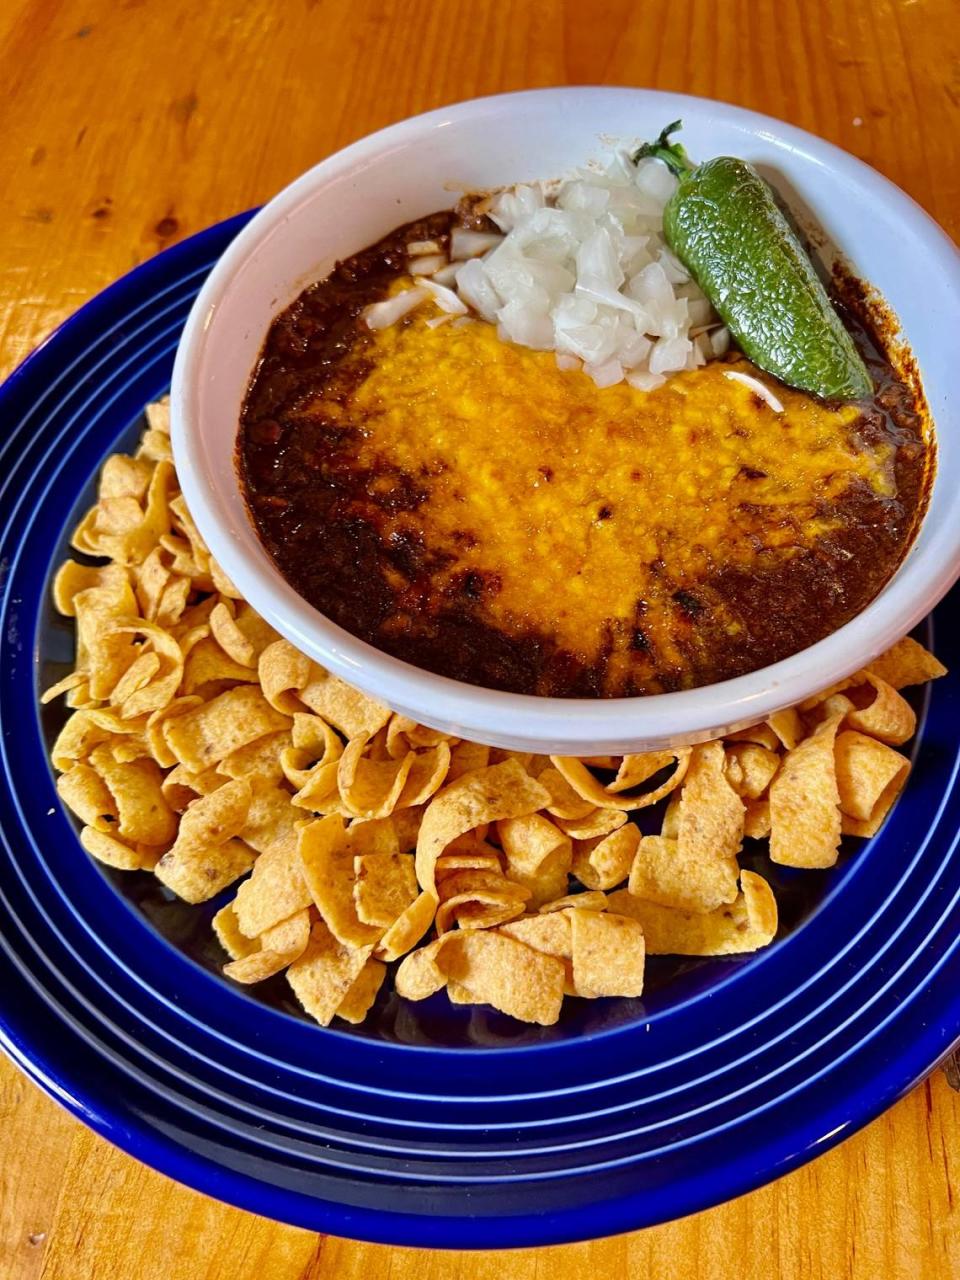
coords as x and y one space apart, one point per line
528 721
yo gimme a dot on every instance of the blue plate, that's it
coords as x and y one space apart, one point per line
433 1124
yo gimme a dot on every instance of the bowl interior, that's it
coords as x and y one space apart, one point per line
422 165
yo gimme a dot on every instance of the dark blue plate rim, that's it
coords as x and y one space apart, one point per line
704 1190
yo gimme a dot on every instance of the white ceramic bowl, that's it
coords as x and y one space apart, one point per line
353 198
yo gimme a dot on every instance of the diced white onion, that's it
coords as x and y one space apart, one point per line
428 265
607 374
567 362
650 285
593 288
511 207
528 327
422 248
669 355
476 290
720 341
381 315
758 387
675 271
699 312
583 197
702 348
644 381
445 298
471 244
580 268
447 275
634 350
655 180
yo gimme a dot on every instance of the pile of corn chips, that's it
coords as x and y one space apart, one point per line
206 749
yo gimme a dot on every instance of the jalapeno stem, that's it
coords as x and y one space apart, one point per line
671 153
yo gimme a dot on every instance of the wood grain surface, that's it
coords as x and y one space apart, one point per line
127 124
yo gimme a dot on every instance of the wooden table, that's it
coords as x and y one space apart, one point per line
130 123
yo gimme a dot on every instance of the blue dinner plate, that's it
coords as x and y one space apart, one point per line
431 1124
